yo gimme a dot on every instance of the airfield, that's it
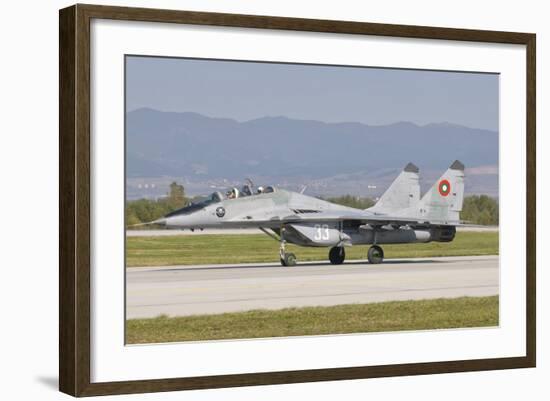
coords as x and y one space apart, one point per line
215 289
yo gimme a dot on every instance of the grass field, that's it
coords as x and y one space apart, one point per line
217 249
361 318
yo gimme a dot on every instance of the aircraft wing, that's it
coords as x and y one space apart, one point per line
329 216
365 218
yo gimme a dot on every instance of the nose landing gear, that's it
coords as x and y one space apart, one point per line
287 259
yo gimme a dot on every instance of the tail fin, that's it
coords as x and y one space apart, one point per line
443 202
403 193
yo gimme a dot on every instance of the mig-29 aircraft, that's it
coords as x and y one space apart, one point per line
400 215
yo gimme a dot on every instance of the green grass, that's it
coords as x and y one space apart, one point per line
216 249
356 318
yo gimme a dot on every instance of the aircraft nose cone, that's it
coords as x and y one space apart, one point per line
161 221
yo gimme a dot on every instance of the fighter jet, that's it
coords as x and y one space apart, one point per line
400 216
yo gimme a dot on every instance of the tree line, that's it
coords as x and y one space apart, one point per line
146 210
477 209
352 201
480 209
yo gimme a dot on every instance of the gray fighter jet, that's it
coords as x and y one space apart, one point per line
400 215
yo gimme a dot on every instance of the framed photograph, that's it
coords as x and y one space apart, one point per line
250 200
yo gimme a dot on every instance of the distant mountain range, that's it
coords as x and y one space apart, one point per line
199 148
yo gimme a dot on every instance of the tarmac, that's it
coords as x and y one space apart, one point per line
213 289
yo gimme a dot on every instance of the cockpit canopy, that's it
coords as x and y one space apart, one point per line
197 204
216 197
248 190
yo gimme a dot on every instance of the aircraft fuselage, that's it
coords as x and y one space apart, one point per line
283 210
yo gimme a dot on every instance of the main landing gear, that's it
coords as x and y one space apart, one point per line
287 259
375 254
337 255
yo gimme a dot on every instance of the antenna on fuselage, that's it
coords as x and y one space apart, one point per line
303 189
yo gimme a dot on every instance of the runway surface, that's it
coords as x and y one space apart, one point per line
210 289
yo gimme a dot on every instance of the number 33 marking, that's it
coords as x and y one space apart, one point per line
321 232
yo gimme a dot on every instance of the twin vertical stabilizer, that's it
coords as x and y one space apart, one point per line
441 204
404 192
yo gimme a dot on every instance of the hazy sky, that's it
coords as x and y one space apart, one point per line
248 90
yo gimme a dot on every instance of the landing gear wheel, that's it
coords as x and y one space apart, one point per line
375 254
289 259
337 255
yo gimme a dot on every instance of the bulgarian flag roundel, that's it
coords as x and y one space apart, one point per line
444 187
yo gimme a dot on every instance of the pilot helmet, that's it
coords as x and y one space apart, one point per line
260 189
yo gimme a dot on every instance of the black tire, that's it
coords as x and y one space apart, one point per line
283 263
337 255
375 254
290 259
